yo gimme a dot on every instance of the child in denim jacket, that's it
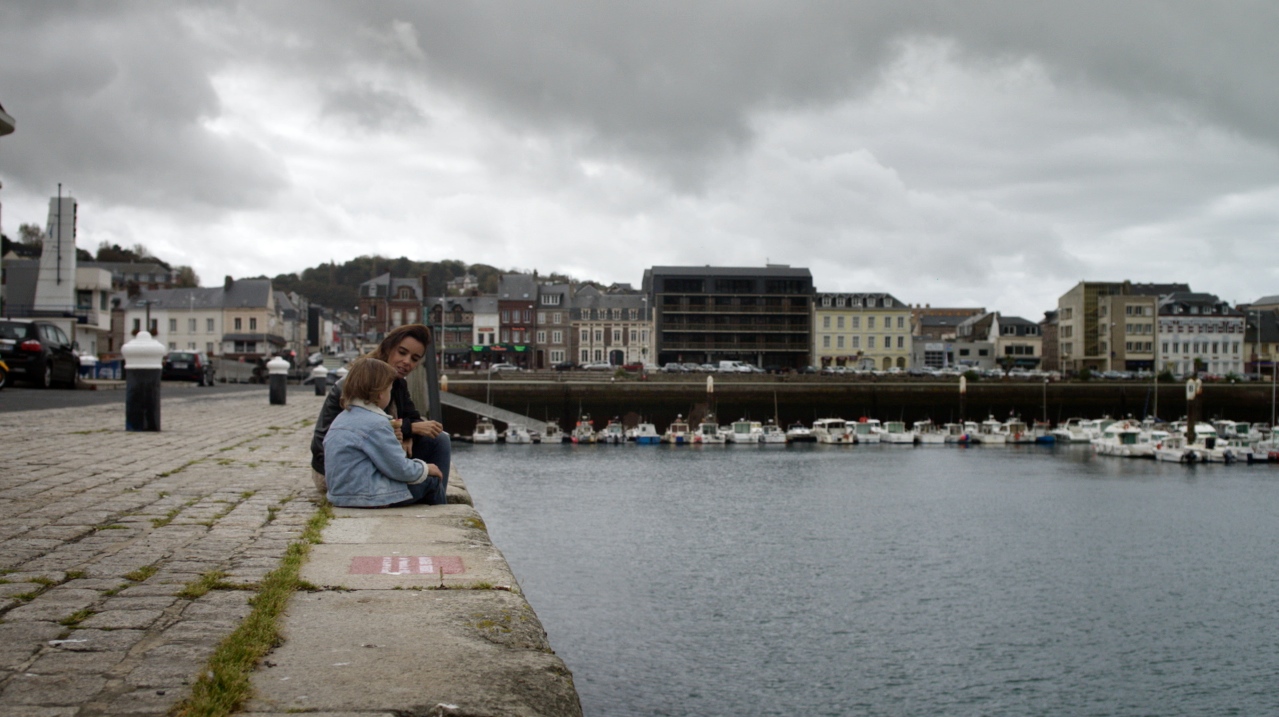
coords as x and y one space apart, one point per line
366 466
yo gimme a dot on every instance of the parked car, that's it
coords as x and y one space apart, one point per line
674 368
497 367
38 352
565 366
597 366
187 366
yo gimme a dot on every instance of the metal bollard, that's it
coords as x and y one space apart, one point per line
278 370
339 374
143 359
320 377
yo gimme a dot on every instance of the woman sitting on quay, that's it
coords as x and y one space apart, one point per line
403 349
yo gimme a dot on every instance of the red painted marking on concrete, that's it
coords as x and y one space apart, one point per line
406 565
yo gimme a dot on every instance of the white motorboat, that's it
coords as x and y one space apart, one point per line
990 432
799 433
895 432
956 433
832 431
584 431
554 434
1173 449
1077 430
928 433
677 434
1122 439
646 434
746 432
772 434
485 432
613 434
866 430
1042 431
708 433
1017 432
515 433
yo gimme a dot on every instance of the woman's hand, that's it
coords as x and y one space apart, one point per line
433 470
430 429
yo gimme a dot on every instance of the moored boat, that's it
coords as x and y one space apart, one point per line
613 434
516 434
866 430
797 432
772 434
646 434
895 432
745 431
485 432
928 433
584 431
832 431
677 434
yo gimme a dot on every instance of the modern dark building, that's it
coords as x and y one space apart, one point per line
708 314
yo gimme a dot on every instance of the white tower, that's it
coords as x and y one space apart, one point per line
55 285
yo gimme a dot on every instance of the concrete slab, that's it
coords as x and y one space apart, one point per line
481 652
411 565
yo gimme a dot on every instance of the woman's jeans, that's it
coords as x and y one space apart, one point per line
437 451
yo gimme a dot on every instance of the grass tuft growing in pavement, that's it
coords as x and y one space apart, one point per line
141 574
76 618
227 683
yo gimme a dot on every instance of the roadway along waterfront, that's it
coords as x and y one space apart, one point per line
884 580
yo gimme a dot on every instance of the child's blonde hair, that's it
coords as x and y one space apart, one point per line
365 380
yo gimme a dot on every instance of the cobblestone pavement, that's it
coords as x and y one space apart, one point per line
102 529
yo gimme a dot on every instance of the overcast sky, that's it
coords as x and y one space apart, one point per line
981 153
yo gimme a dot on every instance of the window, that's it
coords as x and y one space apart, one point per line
901 342
634 335
173 346
411 316
173 325
857 322
191 323
208 348
599 354
826 342
599 335
870 322
839 342
557 337
550 299
870 342
839 322
901 322
586 355
253 323
857 342
137 325
617 336
397 318
506 316
840 302
372 312
528 316
555 318
208 326
634 314
541 317
825 301
586 336
541 337
825 322
238 323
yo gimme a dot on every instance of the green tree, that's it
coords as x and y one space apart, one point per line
187 278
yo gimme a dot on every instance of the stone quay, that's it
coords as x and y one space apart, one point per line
103 533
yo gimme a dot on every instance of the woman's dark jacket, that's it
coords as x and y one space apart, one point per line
401 407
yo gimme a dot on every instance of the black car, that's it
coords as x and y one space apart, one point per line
187 366
38 352
565 366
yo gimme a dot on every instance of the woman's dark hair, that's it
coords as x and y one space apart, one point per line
408 331
366 378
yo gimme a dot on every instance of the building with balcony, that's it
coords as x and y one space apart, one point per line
708 314
1090 322
1199 333
862 330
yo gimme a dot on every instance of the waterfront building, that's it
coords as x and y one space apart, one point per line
1261 337
708 314
939 323
484 320
1051 356
1004 341
135 276
1200 333
452 322
863 330
387 302
554 325
1090 323
291 312
516 303
612 326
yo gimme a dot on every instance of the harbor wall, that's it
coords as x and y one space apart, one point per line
790 400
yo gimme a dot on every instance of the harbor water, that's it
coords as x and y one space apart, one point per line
886 580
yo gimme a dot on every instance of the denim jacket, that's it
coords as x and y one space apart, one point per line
364 464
